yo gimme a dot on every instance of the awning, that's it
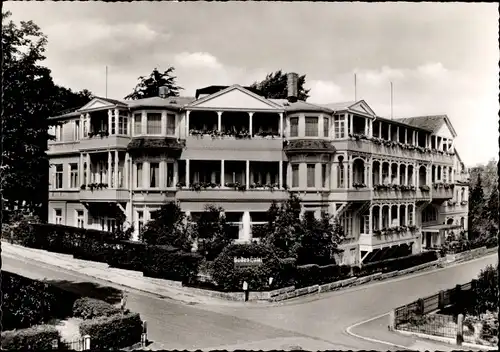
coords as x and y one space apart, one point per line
437 228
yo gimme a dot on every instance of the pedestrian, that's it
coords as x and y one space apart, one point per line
245 290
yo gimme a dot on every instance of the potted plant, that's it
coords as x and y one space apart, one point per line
359 185
180 185
425 188
82 187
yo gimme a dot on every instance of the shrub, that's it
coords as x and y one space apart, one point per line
117 331
128 255
286 273
88 308
307 275
169 263
38 337
230 278
396 263
28 302
486 290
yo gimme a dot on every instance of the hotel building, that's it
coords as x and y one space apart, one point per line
397 185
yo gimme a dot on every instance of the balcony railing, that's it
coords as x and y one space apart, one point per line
388 236
400 192
442 191
103 142
104 194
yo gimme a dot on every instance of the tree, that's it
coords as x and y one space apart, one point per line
169 228
476 204
150 86
274 86
212 232
30 97
283 226
486 290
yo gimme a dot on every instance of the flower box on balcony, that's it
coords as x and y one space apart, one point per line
198 186
102 134
425 188
236 185
180 184
359 185
267 134
96 186
381 187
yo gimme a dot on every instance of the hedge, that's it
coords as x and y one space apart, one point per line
230 278
313 274
129 255
165 262
395 264
38 337
117 331
28 302
88 308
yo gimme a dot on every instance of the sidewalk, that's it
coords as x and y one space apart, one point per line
102 271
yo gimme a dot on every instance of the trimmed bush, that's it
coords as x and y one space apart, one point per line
165 262
286 273
27 302
88 308
114 332
129 255
230 278
311 274
38 337
385 266
307 275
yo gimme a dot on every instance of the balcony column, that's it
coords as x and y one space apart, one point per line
281 124
187 173
406 136
318 176
434 173
250 120
247 174
222 174
247 237
406 214
129 126
146 172
219 121
351 173
380 129
80 169
381 210
333 175
351 123
370 220
109 170
389 128
416 138
289 174
397 133
176 173
126 172
116 185
280 174
398 215
380 177
187 122
367 127
110 121
406 174
88 168
117 119
398 174
163 173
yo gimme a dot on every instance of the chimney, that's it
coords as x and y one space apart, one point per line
292 87
163 92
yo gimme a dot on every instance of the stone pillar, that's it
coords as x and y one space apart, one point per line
289 175
222 174
109 169
187 122
116 170
110 120
219 121
381 211
250 120
406 174
117 119
247 174
187 173
381 167
333 175
246 227
351 123
398 173
280 174
281 125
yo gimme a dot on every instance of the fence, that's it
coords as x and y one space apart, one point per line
75 345
433 324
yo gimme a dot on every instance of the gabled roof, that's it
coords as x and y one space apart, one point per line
339 106
235 87
63 116
359 106
169 102
215 88
300 105
101 103
431 123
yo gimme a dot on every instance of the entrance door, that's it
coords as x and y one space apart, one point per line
428 240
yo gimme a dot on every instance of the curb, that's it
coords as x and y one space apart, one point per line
447 340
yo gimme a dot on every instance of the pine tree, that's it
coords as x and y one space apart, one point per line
274 86
150 86
476 205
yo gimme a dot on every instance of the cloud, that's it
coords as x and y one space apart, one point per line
324 92
381 76
197 60
434 70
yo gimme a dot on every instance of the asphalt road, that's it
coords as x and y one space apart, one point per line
318 322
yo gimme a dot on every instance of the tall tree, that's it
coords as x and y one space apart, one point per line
212 232
150 86
476 205
274 86
29 98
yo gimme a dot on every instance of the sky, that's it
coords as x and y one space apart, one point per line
441 57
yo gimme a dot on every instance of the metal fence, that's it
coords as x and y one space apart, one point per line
74 345
432 324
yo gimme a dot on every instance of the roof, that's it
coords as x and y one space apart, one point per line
112 101
437 228
214 89
169 102
339 106
431 123
300 105
69 114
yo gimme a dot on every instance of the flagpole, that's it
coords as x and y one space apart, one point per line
355 89
392 106
106 81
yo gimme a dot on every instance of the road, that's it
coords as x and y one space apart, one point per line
316 322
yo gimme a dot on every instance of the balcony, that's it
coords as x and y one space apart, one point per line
104 142
372 241
104 195
63 147
227 194
396 193
442 191
343 194
63 195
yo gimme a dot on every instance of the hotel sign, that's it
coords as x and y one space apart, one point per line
240 262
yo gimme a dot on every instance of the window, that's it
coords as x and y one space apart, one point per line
170 124
365 224
340 176
429 214
410 215
154 124
137 124
462 223
311 175
153 214
339 126
73 176
154 175
170 174
77 131
58 130
140 220
79 218
113 125
59 176
323 175
326 127
294 127
139 175
295 175
463 194
445 174
123 125
58 216
311 127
